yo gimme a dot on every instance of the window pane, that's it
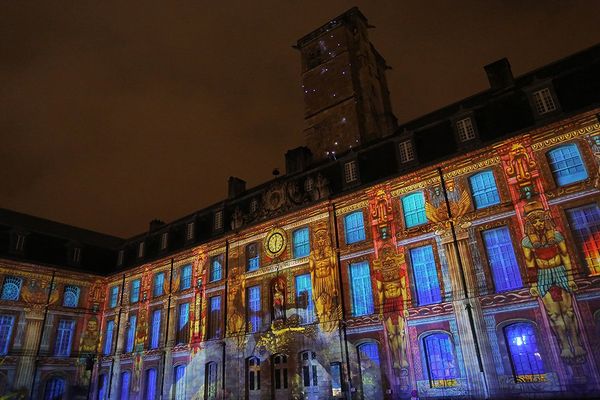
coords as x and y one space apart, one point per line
216 269
131 333
524 353
186 277
6 327
354 227
214 323
502 260
585 224
369 352
304 300
114 296
440 358
150 384
484 190
159 281
64 337
135 291
566 165
362 294
108 339
425 273
155 334
125 380
301 243
11 288
413 207
180 382
253 311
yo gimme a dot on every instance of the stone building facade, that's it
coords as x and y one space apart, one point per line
395 268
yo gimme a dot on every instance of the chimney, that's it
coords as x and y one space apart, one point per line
297 160
155 224
499 74
236 186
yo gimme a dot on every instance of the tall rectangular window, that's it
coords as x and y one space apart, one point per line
125 383
406 151
114 296
253 309
350 171
336 379
183 326
413 208
64 338
301 242
164 240
186 277
141 248
189 231
465 130
108 337
180 382
502 260
585 225
150 384
427 284
252 257
134 297
11 288
544 102
214 319
6 327
484 190
216 269
159 283
120 257
218 220
354 227
155 334
210 390
360 285
131 333
304 300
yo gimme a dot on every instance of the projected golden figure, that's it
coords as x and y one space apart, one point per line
322 273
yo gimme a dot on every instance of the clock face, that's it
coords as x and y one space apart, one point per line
275 242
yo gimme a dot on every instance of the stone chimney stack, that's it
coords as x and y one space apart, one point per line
235 186
499 74
297 160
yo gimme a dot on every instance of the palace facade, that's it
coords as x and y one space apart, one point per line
453 256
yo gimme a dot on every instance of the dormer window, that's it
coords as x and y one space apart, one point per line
189 233
253 205
350 171
218 220
543 101
465 129
20 242
120 257
76 255
406 150
141 247
164 239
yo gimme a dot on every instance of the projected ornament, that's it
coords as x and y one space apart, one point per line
275 242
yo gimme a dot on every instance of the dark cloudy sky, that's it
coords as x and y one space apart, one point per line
115 113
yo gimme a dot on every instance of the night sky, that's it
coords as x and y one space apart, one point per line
115 113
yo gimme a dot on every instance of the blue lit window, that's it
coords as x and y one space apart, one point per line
6 326
71 296
484 190
304 300
502 260
425 274
125 383
102 387
585 224
566 164
108 337
131 333
114 297
252 257
55 389
253 312
360 285
214 319
413 207
180 382
64 338
368 354
150 384
155 334
135 291
301 243
11 288
186 277
216 269
440 358
159 283
354 227
183 326
524 353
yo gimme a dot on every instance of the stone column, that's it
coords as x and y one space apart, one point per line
171 339
33 330
115 392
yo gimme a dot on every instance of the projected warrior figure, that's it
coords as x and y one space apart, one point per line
545 250
237 292
322 273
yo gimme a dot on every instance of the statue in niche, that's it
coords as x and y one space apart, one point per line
546 252
390 275
278 299
237 296
323 275
519 167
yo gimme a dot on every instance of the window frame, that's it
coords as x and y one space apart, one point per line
419 212
211 275
359 229
437 274
296 245
476 195
570 179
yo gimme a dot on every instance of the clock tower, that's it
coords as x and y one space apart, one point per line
346 98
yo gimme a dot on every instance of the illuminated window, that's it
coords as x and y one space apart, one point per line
525 356
216 269
164 240
141 248
11 288
71 296
55 389
308 360
350 171
360 285
183 326
218 220
465 129
189 232
253 319
585 225
413 207
185 280
210 391
502 260
406 151
64 338
108 337
253 374
441 365
301 243
125 385
135 291
214 317
544 102
159 283
155 333
354 227
102 387
6 327
280 371
484 190
131 326
180 382
252 257
114 297
427 284
150 391
336 379
304 300
566 164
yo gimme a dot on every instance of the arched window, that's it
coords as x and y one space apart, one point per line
150 386
413 207
11 288
180 382
439 356
370 371
484 190
524 353
253 374
71 296
210 379
55 389
280 372
125 383
566 164
308 360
